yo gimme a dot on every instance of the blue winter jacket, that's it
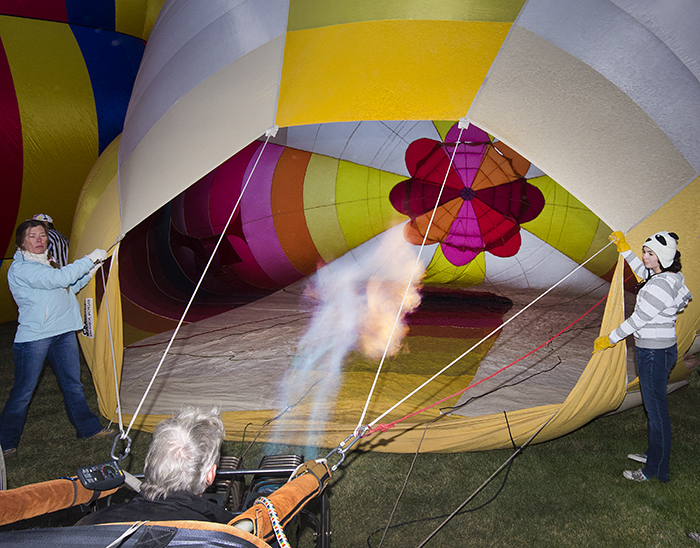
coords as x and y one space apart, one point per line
45 297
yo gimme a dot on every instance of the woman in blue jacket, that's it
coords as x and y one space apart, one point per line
49 316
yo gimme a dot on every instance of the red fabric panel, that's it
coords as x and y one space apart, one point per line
49 10
11 153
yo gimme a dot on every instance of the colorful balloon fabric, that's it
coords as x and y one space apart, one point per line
219 74
485 199
65 86
321 190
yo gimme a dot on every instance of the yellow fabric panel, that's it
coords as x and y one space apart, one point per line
136 17
97 209
362 202
59 137
679 215
442 271
96 225
385 70
98 350
319 207
8 310
305 14
564 223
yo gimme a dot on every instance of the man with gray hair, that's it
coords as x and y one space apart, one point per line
180 465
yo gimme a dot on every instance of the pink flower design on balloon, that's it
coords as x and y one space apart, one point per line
485 200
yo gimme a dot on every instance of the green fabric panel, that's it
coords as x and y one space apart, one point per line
565 223
443 126
319 207
441 271
310 14
362 201
602 264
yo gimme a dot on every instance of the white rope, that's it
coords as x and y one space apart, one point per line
111 343
268 134
431 379
410 281
126 534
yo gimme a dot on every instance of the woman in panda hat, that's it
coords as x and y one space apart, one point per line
661 295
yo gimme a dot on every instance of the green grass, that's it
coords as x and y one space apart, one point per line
566 492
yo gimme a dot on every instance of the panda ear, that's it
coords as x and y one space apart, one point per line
673 235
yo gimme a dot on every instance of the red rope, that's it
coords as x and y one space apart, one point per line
384 427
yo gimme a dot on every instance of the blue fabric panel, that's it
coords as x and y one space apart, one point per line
112 60
98 14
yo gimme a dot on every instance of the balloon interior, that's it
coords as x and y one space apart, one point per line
328 245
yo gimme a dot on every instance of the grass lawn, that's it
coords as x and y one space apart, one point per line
566 492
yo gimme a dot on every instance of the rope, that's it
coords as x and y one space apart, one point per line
111 344
431 379
481 487
410 281
126 534
385 427
389 526
269 133
275 521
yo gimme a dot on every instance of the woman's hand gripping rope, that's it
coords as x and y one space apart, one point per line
618 238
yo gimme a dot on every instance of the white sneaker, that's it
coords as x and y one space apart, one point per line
635 475
637 457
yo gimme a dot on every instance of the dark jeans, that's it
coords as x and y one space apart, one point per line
62 351
654 367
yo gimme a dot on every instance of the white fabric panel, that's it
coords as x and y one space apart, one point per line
378 144
674 22
207 126
192 41
580 129
538 265
639 57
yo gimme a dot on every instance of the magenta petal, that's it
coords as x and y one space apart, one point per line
464 233
456 257
470 133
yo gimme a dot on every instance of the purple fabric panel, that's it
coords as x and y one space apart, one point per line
258 223
468 157
196 207
467 161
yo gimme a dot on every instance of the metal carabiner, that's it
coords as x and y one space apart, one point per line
127 450
341 449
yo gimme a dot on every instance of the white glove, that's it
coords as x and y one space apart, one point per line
94 269
97 256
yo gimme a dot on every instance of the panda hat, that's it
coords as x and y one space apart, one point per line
664 245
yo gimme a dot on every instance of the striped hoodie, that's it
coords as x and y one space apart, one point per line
653 321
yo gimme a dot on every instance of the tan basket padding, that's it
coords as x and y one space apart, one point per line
42 498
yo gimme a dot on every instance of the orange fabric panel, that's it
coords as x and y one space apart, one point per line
287 201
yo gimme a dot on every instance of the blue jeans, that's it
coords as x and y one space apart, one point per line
62 351
654 367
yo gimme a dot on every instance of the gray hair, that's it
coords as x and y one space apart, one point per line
183 450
